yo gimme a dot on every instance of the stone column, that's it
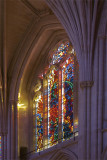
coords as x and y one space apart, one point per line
10 135
30 124
86 87
12 146
15 130
100 96
105 96
76 91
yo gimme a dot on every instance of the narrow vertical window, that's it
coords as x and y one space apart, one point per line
53 106
67 97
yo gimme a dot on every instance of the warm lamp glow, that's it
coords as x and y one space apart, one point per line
76 123
18 95
20 105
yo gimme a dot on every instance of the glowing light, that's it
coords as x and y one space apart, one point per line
21 105
76 124
38 88
18 95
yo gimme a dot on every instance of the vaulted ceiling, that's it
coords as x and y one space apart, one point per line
32 30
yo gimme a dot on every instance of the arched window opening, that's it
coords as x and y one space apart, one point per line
56 99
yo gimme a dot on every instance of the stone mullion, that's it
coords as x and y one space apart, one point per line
11 131
100 97
9 142
12 127
75 95
15 130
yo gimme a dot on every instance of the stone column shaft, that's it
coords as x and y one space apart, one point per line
12 146
86 123
100 96
105 97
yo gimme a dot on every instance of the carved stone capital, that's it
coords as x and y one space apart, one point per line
1 133
5 133
84 84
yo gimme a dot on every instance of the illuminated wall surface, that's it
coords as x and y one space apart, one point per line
0 149
39 123
53 106
67 97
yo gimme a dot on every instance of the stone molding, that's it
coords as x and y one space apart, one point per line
3 133
37 13
104 130
84 84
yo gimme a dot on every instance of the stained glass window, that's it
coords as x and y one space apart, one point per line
34 127
59 92
53 106
0 149
60 53
67 97
39 123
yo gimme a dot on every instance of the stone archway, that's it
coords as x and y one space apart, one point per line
64 154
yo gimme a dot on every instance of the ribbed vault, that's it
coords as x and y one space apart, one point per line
29 50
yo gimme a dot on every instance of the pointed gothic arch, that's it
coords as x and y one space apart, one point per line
64 154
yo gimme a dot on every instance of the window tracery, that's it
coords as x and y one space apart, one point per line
57 97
